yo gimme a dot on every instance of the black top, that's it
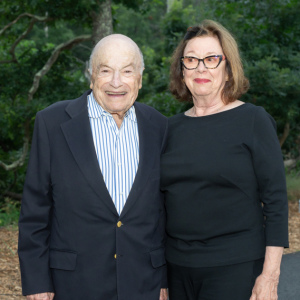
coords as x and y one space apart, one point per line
216 172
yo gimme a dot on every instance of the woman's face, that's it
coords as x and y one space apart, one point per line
205 83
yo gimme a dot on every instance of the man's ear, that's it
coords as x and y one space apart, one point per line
91 79
141 80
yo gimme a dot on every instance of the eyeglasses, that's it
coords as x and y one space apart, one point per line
210 62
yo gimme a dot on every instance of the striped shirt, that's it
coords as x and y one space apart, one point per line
117 150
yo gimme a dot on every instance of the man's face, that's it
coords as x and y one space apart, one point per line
116 77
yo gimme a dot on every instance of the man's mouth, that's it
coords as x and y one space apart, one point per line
116 93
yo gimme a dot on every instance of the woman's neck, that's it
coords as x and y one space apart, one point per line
205 107
202 108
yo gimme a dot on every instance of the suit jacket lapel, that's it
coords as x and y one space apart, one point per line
146 159
78 134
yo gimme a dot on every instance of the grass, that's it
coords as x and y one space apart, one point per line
293 187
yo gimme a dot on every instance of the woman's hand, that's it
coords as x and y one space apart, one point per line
163 294
265 287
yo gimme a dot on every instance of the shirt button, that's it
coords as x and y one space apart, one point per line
119 224
115 256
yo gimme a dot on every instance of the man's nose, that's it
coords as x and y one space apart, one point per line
116 80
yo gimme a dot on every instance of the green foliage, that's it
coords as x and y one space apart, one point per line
65 80
165 103
9 212
174 25
143 28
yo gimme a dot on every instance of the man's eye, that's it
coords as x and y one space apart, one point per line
104 71
128 71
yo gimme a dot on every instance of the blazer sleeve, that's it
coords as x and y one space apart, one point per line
35 216
270 173
164 282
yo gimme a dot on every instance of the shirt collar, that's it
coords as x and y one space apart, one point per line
95 110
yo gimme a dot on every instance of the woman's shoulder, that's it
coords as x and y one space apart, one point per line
258 111
176 118
253 107
259 117
254 111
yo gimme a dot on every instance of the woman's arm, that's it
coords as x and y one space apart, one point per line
266 284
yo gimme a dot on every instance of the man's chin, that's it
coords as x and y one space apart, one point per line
116 108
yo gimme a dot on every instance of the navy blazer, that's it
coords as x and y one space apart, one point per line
71 239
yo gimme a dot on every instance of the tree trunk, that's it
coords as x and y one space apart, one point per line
13 195
169 5
102 21
285 134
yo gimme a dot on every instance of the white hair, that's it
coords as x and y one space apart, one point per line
142 65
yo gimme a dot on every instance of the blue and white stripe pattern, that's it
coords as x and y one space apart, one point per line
117 150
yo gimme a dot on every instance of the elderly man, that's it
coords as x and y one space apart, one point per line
92 220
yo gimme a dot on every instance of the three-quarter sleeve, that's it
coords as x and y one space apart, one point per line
270 173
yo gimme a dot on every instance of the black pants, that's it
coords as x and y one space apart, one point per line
233 282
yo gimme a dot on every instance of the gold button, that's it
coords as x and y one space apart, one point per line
119 224
115 256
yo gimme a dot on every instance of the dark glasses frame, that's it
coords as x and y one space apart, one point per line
221 58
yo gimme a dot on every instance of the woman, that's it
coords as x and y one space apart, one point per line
223 178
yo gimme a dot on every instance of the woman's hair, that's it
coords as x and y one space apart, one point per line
236 85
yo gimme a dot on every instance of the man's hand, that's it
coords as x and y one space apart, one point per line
163 294
42 296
